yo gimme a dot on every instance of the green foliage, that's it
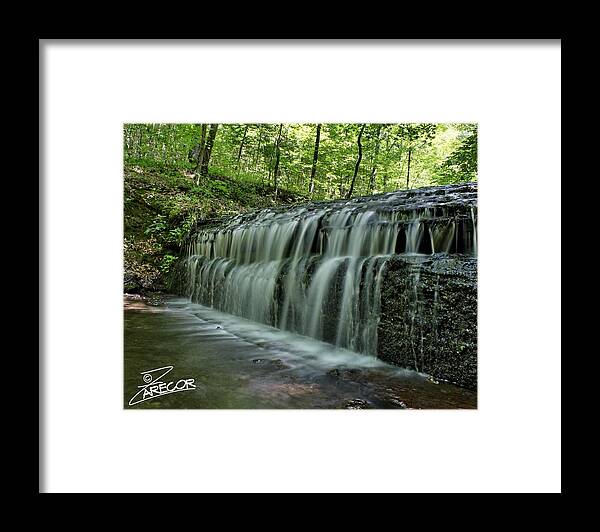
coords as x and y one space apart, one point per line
166 263
158 225
439 153
462 162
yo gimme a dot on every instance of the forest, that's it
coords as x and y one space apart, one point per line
325 161
177 174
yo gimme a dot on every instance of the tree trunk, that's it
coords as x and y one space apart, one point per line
277 156
152 150
257 153
239 157
315 159
374 168
172 148
197 153
212 133
357 162
138 149
408 167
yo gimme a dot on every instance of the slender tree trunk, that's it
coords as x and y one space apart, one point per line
357 162
210 140
239 157
152 142
172 148
374 168
138 150
257 153
277 157
408 167
313 171
197 153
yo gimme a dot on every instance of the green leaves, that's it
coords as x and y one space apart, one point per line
166 263
461 164
158 225
248 153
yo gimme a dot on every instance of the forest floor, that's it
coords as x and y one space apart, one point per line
162 203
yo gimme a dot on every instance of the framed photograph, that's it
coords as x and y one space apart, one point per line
275 264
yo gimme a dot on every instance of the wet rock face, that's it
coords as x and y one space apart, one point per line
428 319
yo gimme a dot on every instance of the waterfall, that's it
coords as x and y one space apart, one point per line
317 269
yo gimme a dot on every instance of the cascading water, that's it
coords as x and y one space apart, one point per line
317 269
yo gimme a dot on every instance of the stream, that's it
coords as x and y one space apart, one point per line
237 364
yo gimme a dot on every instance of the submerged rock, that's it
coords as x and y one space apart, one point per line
347 374
356 404
398 403
276 363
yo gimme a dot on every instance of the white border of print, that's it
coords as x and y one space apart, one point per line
511 443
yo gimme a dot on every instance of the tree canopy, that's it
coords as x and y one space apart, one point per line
325 161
